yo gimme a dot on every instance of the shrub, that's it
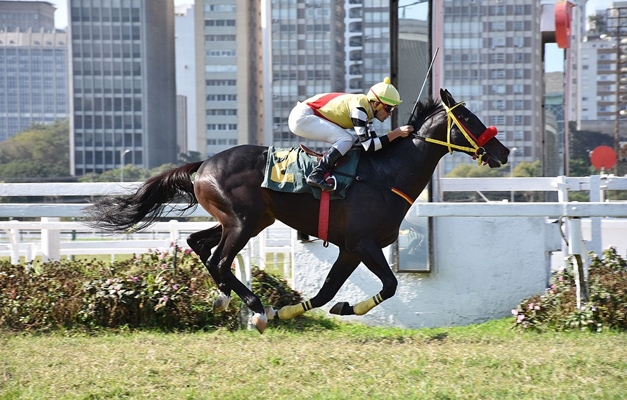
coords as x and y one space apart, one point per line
556 309
169 290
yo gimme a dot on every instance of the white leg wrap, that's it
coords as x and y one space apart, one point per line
221 303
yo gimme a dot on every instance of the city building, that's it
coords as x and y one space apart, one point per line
308 57
124 90
25 15
187 95
492 59
230 62
33 67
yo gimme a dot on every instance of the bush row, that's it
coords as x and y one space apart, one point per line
163 289
556 308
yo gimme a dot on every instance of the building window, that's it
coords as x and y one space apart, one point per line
498 41
497 26
498 73
497 57
498 89
497 120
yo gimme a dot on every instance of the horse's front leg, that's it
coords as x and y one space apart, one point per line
342 268
373 258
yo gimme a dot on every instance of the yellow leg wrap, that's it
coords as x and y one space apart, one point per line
365 306
289 312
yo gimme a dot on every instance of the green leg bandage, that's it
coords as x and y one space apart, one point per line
365 306
289 312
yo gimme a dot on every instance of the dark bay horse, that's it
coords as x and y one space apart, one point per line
228 186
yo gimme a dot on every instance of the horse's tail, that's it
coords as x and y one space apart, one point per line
143 208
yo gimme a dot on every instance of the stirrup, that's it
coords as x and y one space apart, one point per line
319 185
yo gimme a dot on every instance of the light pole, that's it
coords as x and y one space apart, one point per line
122 154
511 171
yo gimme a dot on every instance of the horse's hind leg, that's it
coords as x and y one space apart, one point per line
234 238
342 268
202 242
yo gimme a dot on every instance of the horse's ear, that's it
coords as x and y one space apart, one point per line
446 97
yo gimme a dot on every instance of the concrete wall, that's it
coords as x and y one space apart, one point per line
483 267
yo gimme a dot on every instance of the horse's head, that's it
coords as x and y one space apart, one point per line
466 133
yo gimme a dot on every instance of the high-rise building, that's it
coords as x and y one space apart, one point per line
492 59
33 67
231 67
25 15
308 57
185 48
124 91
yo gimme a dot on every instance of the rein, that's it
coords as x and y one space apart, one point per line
477 149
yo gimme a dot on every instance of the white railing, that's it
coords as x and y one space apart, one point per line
575 246
572 212
53 236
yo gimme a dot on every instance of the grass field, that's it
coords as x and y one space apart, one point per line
325 360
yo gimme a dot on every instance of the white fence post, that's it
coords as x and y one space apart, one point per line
174 231
50 241
579 253
14 237
595 222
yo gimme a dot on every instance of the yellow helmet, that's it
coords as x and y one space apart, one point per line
385 93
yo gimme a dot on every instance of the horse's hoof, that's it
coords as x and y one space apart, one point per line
221 303
260 321
270 312
341 308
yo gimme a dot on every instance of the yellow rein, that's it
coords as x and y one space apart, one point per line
452 120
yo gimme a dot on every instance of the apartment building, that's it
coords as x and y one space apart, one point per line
123 85
33 67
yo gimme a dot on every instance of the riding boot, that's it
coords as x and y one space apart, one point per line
316 178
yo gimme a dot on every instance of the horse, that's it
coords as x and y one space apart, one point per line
228 186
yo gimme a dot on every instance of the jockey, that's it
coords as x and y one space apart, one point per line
344 119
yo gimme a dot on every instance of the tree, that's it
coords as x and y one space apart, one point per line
581 144
472 171
189 157
41 151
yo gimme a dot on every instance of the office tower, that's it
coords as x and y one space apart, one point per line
231 68
25 15
492 60
307 58
185 48
124 94
33 67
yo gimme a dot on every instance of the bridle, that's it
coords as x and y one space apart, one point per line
477 150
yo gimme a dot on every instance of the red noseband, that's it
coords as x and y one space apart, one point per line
487 135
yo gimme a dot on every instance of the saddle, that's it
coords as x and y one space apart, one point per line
287 168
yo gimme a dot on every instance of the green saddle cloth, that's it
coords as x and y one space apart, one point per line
287 168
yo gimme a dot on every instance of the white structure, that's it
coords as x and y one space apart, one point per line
487 257
185 49
484 268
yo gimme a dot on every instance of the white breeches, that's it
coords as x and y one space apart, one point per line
305 123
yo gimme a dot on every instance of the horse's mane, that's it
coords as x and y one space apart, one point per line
423 110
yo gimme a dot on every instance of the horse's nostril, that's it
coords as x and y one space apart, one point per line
505 152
